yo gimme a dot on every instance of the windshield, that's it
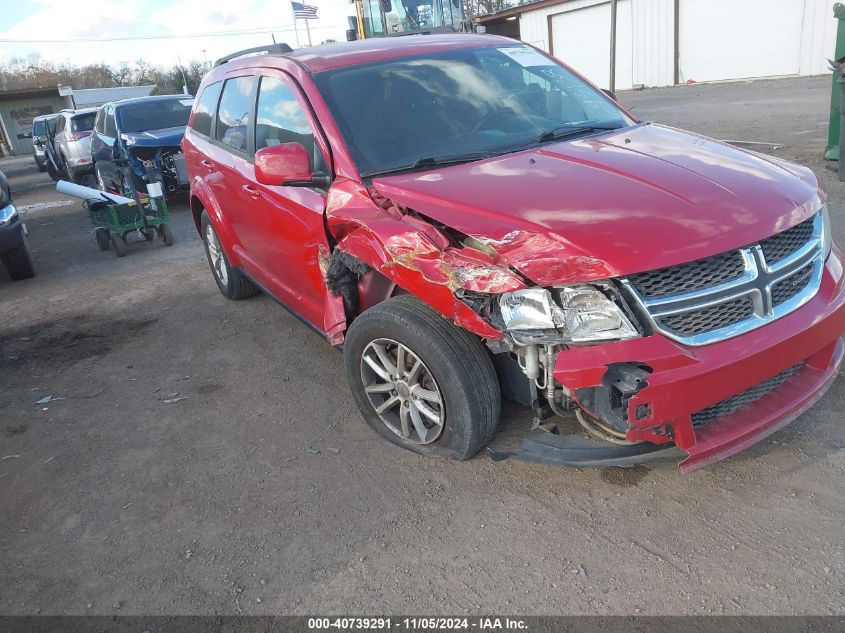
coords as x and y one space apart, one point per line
84 123
154 115
490 100
402 16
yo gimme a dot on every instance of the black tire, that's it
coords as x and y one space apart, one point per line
42 166
103 240
149 234
67 172
456 360
18 261
119 245
166 234
236 286
51 171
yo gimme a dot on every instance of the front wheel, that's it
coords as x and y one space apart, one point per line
421 382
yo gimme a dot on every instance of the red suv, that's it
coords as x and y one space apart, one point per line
470 219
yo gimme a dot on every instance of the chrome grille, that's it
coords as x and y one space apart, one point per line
726 295
712 318
745 398
784 290
776 247
702 273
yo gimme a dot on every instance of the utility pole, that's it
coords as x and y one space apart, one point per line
612 83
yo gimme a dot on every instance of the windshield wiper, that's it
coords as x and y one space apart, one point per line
560 132
436 161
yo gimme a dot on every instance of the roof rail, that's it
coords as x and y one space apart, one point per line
269 48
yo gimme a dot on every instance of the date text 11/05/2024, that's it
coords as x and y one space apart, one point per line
419 623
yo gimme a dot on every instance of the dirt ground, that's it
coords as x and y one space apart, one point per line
263 492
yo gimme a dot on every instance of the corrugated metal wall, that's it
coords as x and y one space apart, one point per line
810 31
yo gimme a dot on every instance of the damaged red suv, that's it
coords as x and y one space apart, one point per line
470 219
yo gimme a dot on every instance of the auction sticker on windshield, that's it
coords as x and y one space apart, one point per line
526 56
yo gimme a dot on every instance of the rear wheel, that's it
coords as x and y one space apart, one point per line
103 240
231 282
166 234
421 382
18 261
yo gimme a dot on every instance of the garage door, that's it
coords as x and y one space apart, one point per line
581 39
746 38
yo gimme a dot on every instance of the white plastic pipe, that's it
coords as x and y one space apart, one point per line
88 193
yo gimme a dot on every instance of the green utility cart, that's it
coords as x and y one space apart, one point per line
148 216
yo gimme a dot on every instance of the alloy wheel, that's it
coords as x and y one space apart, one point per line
403 391
215 253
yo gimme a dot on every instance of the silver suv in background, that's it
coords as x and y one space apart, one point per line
41 132
73 143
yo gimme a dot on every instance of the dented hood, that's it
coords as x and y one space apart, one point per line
622 202
167 137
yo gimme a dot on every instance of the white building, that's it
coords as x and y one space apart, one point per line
665 42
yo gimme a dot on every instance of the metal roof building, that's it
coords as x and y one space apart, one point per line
92 97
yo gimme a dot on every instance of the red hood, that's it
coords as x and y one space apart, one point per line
631 200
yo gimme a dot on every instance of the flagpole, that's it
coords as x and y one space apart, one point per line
293 14
308 29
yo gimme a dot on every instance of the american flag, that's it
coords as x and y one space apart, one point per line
304 11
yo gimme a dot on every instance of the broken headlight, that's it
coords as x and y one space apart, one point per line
581 314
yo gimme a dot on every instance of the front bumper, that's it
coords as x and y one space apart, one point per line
687 380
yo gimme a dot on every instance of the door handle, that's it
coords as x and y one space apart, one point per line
251 191
207 164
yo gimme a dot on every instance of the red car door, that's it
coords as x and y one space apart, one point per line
280 229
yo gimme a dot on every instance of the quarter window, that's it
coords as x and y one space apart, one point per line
281 119
204 111
111 130
234 112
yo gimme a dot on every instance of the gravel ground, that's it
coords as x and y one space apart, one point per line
261 491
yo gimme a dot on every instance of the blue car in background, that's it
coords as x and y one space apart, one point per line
137 141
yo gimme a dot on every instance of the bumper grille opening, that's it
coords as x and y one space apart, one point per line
745 398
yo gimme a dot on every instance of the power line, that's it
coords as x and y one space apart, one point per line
259 31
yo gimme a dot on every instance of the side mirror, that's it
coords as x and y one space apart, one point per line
287 164
351 35
609 93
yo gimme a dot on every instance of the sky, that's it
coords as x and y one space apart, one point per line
187 24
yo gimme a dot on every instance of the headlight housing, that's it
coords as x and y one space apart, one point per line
582 314
827 234
7 214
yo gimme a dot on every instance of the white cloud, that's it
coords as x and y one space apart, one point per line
63 20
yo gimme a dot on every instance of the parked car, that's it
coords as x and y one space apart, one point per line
468 218
14 248
72 141
41 125
137 141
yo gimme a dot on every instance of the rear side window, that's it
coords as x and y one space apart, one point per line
280 118
204 111
234 110
100 122
83 123
111 130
